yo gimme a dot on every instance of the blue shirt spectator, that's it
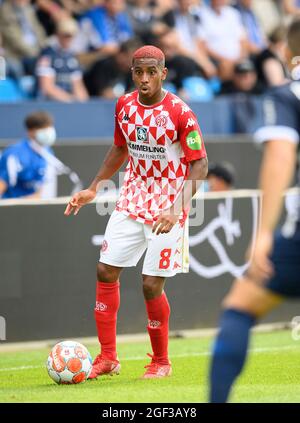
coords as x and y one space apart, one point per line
22 169
58 70
60 64
24 166
111 22
252 26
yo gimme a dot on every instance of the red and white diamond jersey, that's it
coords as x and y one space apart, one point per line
161 139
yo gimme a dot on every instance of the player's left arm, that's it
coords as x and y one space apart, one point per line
169 218
190 138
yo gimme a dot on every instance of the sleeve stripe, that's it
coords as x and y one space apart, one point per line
268 133
13 167
43 71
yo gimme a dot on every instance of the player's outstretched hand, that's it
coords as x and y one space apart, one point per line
165 222
78 200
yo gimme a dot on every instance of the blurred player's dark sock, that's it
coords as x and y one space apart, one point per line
229 352
158 311
106 310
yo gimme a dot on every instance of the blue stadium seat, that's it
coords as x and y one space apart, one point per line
28 86
9 91
169 86
215 84
197 89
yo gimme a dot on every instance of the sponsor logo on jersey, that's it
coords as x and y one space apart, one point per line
146 148
193 140
126 117
142 134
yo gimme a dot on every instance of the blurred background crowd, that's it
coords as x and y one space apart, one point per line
73 50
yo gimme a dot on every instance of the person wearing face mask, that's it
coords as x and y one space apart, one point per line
25 167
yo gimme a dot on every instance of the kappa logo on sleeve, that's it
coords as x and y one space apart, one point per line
194 141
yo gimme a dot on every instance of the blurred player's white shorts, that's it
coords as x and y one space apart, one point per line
126 240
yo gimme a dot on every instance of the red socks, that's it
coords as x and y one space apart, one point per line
158 311
106 310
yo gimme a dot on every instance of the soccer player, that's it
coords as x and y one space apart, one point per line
275 267
160 137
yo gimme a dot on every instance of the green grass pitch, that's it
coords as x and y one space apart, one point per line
272 374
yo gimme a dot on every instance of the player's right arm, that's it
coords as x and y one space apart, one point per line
113 161
280 140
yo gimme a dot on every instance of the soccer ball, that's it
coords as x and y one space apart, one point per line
69 362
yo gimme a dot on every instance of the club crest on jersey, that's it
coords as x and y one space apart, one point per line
142 134
161 121
194 141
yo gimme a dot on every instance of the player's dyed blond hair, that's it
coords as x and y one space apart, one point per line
149 52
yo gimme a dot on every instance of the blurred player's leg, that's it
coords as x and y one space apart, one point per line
245 302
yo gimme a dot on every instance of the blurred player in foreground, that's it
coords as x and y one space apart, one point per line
275 267
160 137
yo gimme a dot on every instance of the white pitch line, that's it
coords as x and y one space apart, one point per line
185 355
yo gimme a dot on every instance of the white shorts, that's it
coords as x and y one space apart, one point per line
126 240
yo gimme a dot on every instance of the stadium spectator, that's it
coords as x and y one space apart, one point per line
187 25
23 36
111 77
291 7
268 13
255 33
244 80
77 7
224 36
112 24
163 10
179 66
24 166
270 66
58 70
146 24
49 12
87 44
220 177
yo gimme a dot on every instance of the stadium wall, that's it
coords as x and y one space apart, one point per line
48 268
95 118
85 156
